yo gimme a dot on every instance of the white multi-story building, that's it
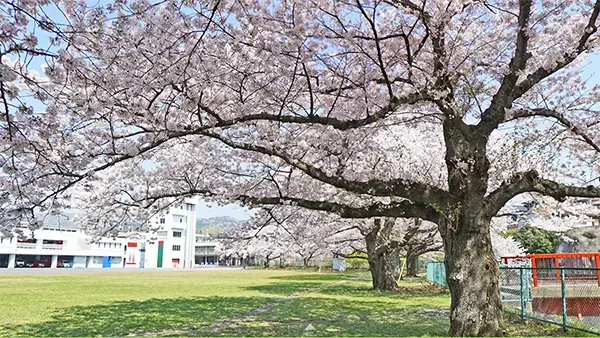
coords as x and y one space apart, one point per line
206 250
172 245
62 244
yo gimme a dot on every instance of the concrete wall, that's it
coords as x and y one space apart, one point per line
79 261
95 262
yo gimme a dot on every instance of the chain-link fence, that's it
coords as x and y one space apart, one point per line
569 297
436 273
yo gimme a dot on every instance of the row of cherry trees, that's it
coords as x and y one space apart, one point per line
284 232
287 232
439 110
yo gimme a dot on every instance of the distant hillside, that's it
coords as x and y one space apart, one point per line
215 224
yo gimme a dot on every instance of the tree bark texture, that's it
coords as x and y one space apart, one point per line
471 268
383 257
472 276
411 265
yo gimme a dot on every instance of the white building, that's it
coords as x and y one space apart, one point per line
171 246
66 246
206 250
61 244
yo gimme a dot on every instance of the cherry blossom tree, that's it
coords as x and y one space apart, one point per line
503 245
244 240
560 217
544 213
420 237
290 232
554 219
18 48
306 234
438 110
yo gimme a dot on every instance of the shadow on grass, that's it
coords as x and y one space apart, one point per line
127 317
286 285
347 315
366 290
343 310
338 317
359 288
284 289
195 316
317 276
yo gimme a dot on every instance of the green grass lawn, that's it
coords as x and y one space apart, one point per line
223 302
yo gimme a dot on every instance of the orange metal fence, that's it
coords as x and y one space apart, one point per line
578 266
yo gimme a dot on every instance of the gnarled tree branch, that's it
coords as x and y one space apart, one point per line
530 181
551 113
417 192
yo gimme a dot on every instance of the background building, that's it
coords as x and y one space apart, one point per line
171 246
206 250
60 243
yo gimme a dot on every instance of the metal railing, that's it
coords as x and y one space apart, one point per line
570 298
26 245
52 246
580 265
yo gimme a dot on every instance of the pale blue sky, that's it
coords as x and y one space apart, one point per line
208 210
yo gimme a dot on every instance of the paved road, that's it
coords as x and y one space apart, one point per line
50 271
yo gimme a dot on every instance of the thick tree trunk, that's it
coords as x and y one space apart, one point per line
384 259
385 270
472 276
411 265
471 268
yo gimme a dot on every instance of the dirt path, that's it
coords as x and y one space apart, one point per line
234 322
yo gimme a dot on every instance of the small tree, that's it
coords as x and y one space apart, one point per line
533 240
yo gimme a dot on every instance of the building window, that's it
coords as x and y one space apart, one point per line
162 221
205 250
131 257
176 247
176 233
189 207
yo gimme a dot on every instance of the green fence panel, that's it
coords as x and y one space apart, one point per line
436 273
569 297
